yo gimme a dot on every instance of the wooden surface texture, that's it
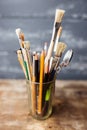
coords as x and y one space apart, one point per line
69 110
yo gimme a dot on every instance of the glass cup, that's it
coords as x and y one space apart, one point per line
40 98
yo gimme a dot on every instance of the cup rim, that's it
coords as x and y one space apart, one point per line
49 82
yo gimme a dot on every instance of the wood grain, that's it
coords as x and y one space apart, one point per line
69 110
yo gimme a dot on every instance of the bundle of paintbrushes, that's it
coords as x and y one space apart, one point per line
40 69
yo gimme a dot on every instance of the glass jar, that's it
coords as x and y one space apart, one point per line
40 98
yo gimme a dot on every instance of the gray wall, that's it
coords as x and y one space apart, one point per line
36 19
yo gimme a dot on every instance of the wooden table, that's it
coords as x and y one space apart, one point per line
69 111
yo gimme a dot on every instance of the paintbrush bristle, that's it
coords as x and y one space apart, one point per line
59 15
18 51
19 34
60 49
27 45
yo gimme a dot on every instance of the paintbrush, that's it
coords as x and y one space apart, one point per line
20 36
59 50
58 19
23 43
26 61
27 47
56 60
20 59
57 23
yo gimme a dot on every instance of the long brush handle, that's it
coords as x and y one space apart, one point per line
26 61
57 38
58 19
20 59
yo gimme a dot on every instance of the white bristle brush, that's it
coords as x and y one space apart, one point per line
20 36
58 19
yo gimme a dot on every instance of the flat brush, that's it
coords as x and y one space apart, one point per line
57 23
59 15
20 36
27 45
60 49
58 19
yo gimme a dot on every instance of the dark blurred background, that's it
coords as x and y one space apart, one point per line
36 19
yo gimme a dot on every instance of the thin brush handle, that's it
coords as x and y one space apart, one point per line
49 54
26 62
20 59
58 19
50 64
55 30
57 38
